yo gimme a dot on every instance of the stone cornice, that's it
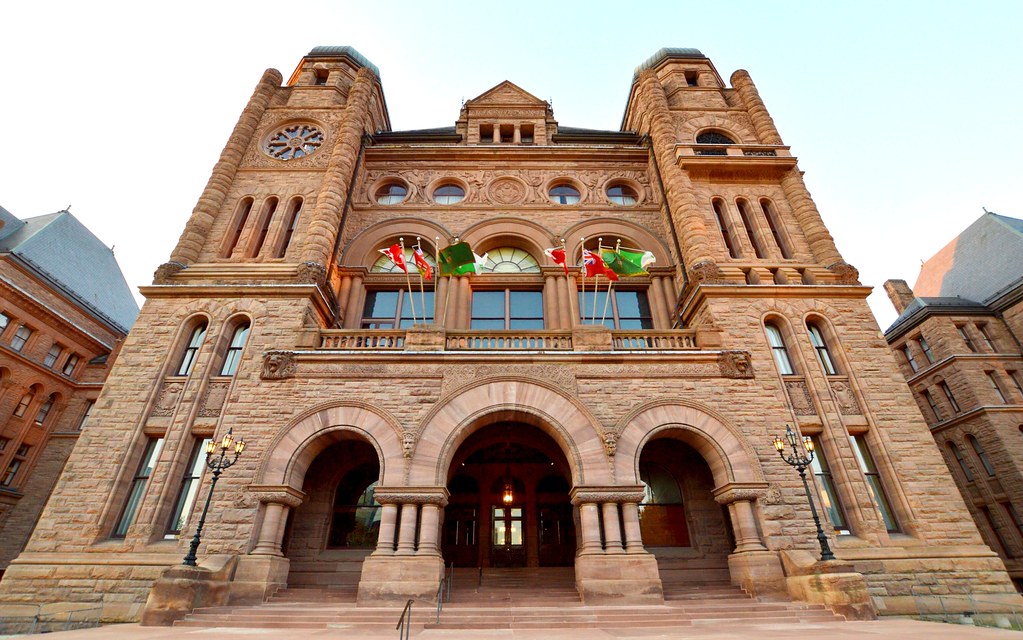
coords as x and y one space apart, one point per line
235 290
600 494
605 154
760 291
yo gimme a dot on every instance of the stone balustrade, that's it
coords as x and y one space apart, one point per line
583 338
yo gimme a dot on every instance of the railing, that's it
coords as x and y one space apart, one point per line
368 339
444 582
41 621
662 340
969 610
509 341
405 622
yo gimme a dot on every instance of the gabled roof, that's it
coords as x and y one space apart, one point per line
61 249
506 93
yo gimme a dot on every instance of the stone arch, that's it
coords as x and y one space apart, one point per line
479 404
741 132
507 231
728 454
359 252
611 229
297 444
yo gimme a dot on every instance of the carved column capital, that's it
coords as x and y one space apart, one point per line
412 495
277 494
739 491
602 494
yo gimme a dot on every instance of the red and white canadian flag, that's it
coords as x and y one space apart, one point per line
396 255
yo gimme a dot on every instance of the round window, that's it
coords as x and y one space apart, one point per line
293 141
621 194
448 194
392 193
564 194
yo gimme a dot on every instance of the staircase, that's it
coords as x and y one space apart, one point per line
509 599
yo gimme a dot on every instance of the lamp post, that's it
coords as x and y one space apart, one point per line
217 464
801 461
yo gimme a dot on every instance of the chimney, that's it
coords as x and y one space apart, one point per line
899 293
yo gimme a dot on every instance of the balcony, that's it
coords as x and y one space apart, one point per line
734 160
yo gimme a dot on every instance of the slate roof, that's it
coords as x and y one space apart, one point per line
344 51
664 54
62 250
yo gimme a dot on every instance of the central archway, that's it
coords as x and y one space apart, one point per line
509 506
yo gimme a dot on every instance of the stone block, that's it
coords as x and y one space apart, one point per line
396 579
618 579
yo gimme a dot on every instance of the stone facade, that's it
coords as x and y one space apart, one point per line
510 428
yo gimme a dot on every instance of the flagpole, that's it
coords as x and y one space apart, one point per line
422 289
447 295
596 284
568 286
412 301
607 298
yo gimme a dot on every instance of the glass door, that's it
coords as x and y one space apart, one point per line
509 548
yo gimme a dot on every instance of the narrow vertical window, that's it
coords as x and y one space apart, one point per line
966 338
1017 381
778 350
951 398
52 355
71 363
906 351
726 235
192 350
44 408
877 493
290 223
981 455
958 455
829 496
775 224
85 416
994 385
933 405
269 208
926 349
24 402
189 488
1013 515
138 486
747 223
16 462
821 348
21 336
1004 548
234 351
4 321
320 77
985 334
240 217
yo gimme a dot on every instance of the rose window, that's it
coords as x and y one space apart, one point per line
294 141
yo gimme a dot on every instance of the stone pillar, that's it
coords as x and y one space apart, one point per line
565 293
344 290
657 310
517 136
407 531
429 530
551 306
588 520
323 223
497 132
612 528
738 497
279 499
767 133
440 299
353 314
573 299
633 535
267 543
388 522
464 306
212 199
688 215
822 245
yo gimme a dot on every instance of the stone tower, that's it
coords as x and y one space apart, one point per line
489 418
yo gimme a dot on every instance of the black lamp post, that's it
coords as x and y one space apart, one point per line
217 465
800 461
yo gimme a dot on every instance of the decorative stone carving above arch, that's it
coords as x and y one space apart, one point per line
485 402
296 445
728 454
361 250
611 230
734 126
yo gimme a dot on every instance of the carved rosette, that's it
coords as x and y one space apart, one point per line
277 494
799 396
507 191
736 364
623 494
845 398
736 492
278 365
170 392
213 399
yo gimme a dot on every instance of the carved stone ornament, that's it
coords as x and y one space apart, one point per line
170 392
610 443
736 364
166 270
737 492
277 494
311 272
773 495
213 399
845 398
799 396
507 191
705 272
847 274
278 365
408 443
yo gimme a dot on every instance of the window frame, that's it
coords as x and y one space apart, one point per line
188 490
966 338
875 484
827 490
18 340
948 396
992 378
926 348
191 352
820 347
957 453
625 193
563 198
397 321
779 349
907 351
138 485
391 197
44 409
24 403
53 355
446 198
508 318
981 454
616 319
233 353
70 363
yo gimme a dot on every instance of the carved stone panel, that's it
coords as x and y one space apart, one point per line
845 398
278 365
736 364
507 191
213 399
168 397
799 396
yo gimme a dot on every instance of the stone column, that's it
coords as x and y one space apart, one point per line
551 306
464 303
688 215
573 299
440 299
212 199
407 531
564 301
323 222
612 528
353 314
633 535
517 136
739 499
279 499
822 245
385 537
750 97
657 310
590 523
429 530
497 132
344 290
268 544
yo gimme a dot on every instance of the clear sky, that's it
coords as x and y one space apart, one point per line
905 116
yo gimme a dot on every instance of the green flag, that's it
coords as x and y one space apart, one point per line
626 262
456 256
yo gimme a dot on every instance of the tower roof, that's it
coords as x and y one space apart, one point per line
667 53
344 51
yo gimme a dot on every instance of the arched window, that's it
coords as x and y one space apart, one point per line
821 348
241 216
448 194
564 194
234 350
776 227
510 260
294 209
266 216
384 264
621 194
662 512
778 349
355 522
192 350
26 400
391 193
747 222
981 455
953 448
44 408
713 137
726 232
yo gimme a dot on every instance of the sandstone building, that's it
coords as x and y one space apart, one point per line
957 340
511 417
64 310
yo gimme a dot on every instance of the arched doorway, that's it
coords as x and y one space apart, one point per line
509 505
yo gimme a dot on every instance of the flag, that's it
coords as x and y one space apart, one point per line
557 254
454 257
626 262
425 270
394 252
595 266
476 266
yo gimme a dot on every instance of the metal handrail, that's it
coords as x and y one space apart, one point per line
444 581
405 622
